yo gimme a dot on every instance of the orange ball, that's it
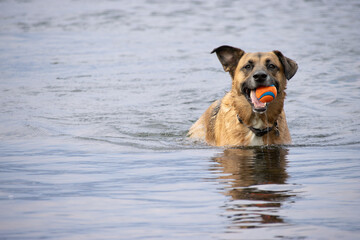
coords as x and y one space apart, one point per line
266 94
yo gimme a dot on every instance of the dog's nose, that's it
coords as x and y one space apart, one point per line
260 76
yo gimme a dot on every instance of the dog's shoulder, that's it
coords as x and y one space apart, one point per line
203 128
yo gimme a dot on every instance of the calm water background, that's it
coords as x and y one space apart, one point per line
97 97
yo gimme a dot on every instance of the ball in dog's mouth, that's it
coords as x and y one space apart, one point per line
260 97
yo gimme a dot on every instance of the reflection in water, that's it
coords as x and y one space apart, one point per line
256 180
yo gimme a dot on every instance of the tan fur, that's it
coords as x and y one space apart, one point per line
224 129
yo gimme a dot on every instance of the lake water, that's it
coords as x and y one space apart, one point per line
97 97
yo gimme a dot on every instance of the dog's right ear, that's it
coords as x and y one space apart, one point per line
228 57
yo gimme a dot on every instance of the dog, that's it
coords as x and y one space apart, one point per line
239 118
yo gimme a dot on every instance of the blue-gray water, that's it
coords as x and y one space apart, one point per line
97 97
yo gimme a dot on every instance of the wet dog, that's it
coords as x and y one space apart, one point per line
239 118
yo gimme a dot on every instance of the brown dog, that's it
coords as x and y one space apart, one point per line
239 118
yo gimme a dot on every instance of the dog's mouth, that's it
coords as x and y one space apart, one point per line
257 105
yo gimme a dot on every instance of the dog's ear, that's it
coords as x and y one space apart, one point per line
290 66
228 57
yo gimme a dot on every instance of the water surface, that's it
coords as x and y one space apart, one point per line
97 97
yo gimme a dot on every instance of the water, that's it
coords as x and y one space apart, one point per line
97 97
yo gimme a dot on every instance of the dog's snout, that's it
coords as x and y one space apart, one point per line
260 76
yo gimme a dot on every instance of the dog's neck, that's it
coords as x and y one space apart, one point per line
257 127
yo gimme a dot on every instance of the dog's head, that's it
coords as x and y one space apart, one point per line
252 70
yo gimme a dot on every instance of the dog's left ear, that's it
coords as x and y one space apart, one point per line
228 57
290 66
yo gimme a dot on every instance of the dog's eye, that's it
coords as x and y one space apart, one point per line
248 66
271 66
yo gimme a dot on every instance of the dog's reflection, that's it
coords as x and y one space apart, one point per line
243 171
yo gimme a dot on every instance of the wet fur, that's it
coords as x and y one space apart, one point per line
219 125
